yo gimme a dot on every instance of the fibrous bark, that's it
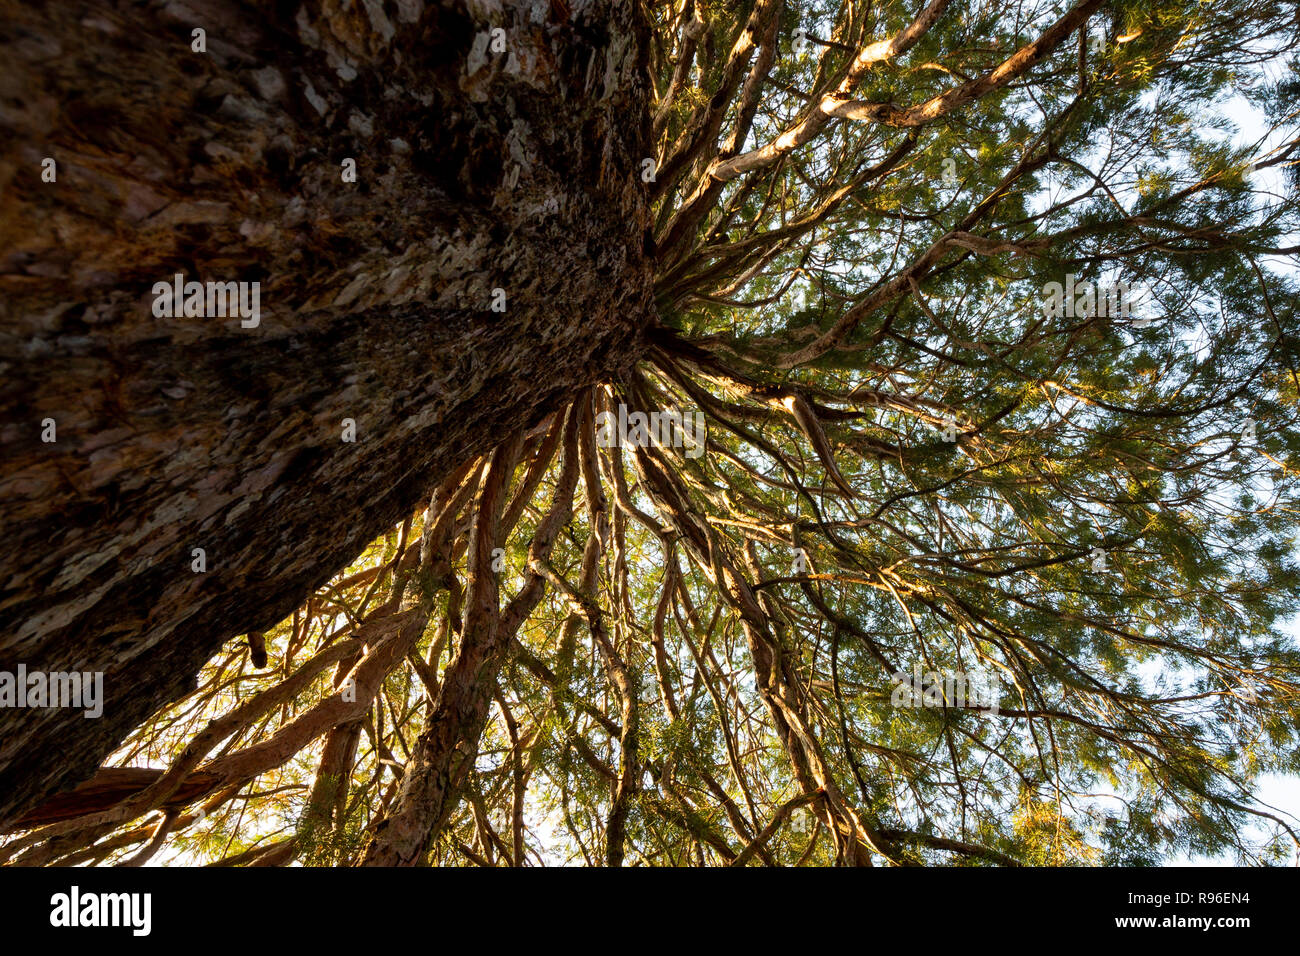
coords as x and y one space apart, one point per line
476 169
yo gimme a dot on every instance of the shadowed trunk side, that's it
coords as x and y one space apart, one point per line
475 171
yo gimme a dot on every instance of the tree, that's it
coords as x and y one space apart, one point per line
381 361
915 485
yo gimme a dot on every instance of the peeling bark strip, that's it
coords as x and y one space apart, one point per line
474 170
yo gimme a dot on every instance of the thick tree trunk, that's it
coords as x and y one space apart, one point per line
475 170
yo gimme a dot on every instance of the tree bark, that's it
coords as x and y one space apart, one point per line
107 788
475 170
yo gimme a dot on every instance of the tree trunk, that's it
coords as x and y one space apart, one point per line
476 169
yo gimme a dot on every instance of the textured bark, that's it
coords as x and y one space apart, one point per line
475 170
108 787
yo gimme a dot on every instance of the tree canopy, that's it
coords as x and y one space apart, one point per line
984 555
